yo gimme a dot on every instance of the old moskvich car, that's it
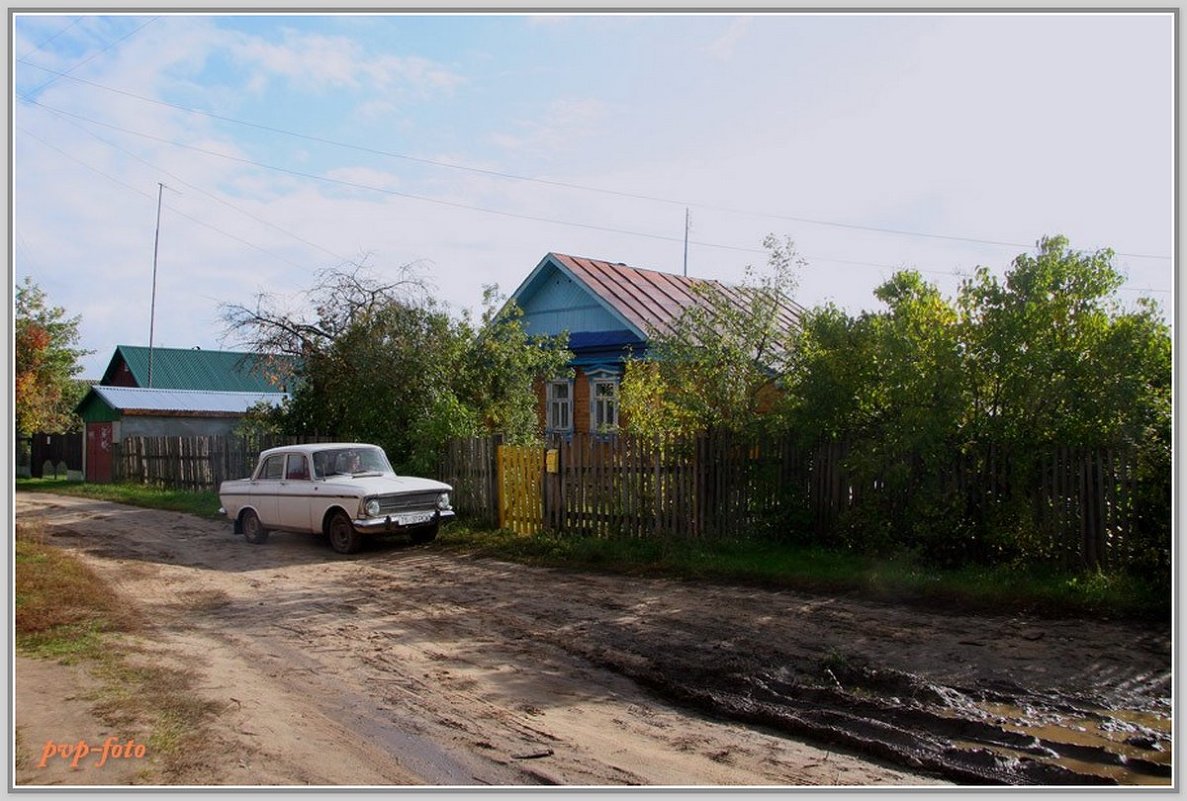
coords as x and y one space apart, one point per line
345 491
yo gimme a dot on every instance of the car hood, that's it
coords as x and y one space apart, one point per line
386 484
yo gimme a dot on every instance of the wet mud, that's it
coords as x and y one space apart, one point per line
507 661
993 732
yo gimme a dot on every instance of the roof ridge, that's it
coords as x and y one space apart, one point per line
638 269
191 391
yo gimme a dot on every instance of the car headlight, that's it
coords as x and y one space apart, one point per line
372 508
443 501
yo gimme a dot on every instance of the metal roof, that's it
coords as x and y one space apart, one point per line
652 301
191 368
131 400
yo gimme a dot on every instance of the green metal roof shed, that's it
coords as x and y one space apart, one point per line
192 368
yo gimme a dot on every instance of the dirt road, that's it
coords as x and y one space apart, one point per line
408 665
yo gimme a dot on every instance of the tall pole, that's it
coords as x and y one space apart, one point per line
152 309
686 223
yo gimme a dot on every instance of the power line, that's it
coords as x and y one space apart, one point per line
464 206
176 211
198 189
92 56
383 190
548 182
44 42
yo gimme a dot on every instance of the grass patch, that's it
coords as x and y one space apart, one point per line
62 607
203 503
814 569
66 612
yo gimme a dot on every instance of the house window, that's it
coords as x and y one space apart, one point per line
560 406
603 405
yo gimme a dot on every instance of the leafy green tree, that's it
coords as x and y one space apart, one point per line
1054 359
384 363
716 368
500 364
1045 357
45 364
1052 356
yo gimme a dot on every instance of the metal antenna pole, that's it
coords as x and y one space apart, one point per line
686 224
152 309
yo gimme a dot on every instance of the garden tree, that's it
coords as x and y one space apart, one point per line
46 360
384 363
1053 358
887 384
717 366
500 365
1010 370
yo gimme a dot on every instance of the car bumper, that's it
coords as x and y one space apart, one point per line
403 520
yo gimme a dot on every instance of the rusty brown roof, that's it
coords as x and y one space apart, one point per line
651 300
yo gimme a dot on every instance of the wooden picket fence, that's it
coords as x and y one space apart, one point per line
1080 503
193 463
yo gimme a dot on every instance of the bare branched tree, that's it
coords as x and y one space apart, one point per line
340 296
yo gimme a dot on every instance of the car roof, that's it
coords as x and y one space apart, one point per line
310 447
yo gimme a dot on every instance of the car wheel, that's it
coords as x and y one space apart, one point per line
253 531
425 534
343 537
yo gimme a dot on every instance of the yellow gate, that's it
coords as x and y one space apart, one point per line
521 488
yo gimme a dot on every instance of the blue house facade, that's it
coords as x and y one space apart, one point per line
611 311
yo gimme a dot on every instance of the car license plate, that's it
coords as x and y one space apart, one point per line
413 518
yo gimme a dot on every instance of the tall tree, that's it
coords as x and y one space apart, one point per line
718 365
46 362
383 362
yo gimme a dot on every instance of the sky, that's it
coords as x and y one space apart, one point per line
471 145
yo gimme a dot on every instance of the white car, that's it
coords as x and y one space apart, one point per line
343 490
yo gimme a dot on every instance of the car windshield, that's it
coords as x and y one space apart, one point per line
350 461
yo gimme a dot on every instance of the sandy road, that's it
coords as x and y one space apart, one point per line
407 665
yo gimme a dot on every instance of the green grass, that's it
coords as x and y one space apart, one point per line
814 569
753 561
203 504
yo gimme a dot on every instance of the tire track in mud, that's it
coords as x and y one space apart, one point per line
724 665
974 699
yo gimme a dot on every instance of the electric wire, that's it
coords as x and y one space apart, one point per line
93 56
465 206
554 183
456 204
44 42
149 196
200 190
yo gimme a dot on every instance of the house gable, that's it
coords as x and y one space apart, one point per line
554 300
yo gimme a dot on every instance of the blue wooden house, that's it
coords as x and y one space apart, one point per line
611 311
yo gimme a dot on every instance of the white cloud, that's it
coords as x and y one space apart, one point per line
318 63
722 48
561 126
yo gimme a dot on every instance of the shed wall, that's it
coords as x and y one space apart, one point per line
148 426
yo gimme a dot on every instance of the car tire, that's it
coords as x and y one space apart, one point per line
253 530
425 534
343 537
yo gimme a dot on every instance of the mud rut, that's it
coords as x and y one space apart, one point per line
973 699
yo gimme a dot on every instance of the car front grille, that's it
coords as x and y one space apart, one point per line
416 501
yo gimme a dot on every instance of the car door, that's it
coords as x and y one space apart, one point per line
265 488
293 496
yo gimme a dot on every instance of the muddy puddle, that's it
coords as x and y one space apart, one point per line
1121 746
968 735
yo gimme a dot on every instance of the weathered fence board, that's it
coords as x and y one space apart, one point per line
719 486
193 463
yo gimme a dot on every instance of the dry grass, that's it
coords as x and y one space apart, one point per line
62 607
65 611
